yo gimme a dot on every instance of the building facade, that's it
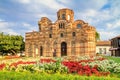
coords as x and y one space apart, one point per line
64 37
115 46
103 48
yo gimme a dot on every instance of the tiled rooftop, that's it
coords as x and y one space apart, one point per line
103 43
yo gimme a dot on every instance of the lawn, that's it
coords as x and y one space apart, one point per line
5 75
116 59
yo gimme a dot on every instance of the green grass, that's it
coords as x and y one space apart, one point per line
116 59
5 75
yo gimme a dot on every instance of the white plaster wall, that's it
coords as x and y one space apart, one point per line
108 53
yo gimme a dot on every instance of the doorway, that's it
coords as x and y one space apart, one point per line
63 49
41 51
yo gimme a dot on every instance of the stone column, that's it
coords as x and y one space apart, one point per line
44 50
68 48
33 50
38 50
86 48
82 49
77 50
58 51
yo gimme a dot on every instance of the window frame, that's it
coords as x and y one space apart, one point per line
78 25
50 35
61 35
63 16
73 34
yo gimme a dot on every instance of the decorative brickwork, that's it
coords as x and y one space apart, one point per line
65 37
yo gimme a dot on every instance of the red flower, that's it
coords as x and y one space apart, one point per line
2 66
46 60
21 62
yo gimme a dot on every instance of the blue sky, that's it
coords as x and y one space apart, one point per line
20 16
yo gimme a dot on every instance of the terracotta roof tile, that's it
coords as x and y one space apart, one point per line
116 37
103 43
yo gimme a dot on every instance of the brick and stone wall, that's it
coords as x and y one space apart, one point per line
65 37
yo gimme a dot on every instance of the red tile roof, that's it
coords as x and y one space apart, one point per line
103 43
116 37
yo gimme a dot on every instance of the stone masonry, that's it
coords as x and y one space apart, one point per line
64 37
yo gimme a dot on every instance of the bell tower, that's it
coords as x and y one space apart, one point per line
65 14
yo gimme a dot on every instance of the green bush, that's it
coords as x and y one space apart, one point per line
107 66
52 67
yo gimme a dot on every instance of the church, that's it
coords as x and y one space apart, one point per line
64 37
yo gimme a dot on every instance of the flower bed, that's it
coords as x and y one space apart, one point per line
15 64
82 66
11 57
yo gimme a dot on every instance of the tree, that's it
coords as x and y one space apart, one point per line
11 43
97 36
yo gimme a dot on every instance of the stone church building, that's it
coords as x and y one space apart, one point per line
64 37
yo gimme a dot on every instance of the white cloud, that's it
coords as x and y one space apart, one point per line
22 1
109 25
28 27
20 28
106 21
89 4
95 16
115 7
106 35
117 24
6 27
64 1
36 9
1 20
36 5
113 25
50 4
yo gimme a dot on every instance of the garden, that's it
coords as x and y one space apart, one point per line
64 68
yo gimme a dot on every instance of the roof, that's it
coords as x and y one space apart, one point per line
116 37
103 43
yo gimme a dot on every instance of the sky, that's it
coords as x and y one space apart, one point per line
20 16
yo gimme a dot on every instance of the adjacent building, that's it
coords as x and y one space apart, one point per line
64 37
103 47
115 46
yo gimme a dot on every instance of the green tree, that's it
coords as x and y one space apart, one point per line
97 36
11 43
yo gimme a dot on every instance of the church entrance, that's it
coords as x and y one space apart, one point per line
63 49
41 51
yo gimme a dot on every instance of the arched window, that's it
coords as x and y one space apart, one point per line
50 35
41 51
61 25
63 16
61 35
78 25
73 34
